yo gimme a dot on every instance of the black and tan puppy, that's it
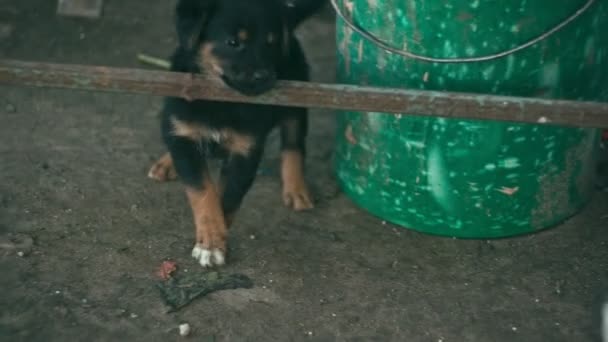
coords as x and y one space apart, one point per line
248 44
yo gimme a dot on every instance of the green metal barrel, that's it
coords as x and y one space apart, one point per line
462 178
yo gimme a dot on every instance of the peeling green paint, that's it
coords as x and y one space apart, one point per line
470 178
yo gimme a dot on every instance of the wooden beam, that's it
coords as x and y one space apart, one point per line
304 94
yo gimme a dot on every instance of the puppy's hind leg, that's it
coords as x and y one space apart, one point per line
293 150
237 176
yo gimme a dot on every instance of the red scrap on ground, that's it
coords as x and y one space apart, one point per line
166 269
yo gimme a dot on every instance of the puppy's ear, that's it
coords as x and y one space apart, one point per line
296 11
191 17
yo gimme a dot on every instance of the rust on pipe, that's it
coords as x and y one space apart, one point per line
308 94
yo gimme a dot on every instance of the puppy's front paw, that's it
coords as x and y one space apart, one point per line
208 257
163 170
298 198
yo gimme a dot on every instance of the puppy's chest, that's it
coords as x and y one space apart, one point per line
216 141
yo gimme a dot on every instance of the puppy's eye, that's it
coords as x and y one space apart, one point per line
233 43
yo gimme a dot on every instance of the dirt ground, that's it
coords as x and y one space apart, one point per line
73 179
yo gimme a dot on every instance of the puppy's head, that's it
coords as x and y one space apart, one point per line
243 42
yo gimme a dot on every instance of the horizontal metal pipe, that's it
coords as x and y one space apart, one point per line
308 94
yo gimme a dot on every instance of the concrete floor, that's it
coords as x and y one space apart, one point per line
72 178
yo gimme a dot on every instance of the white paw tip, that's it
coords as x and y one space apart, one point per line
202 255
206 257
218 257
184 329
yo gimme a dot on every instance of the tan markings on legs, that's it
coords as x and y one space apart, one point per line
211 229
295 191
163 169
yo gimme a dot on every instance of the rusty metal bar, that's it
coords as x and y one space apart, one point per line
313 95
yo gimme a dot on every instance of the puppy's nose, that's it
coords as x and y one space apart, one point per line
261 75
